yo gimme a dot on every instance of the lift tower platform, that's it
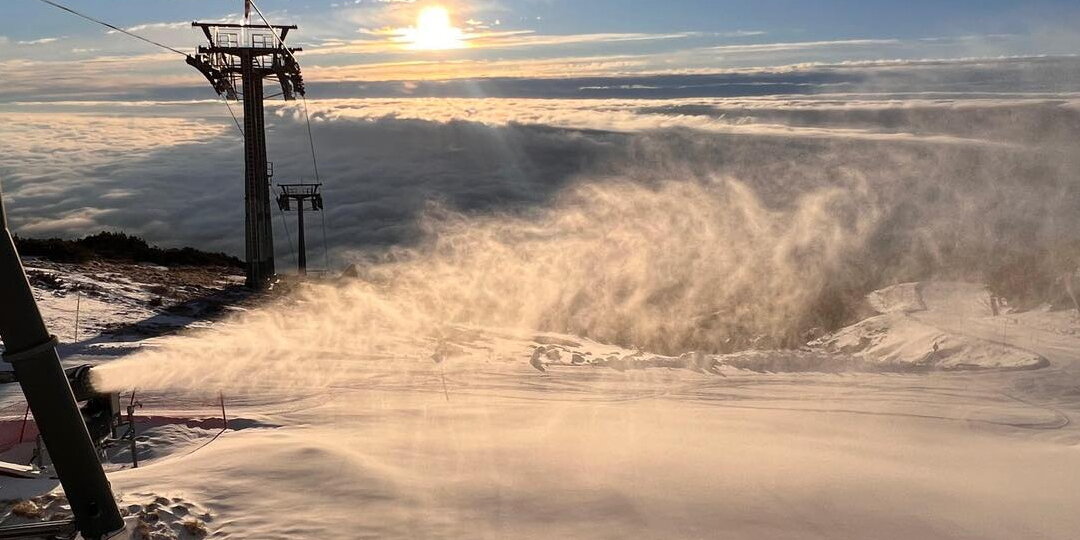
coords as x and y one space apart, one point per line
237 60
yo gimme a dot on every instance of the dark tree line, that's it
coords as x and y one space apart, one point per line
119 247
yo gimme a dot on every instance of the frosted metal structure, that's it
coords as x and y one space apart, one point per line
300 193
31 350
237 60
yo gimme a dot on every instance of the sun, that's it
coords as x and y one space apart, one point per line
434 31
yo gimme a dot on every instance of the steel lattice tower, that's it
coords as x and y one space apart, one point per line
236 62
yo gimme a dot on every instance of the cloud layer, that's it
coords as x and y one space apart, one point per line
667 223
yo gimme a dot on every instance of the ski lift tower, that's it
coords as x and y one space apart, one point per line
300 193
237 60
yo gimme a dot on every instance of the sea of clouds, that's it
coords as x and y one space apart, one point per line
670 222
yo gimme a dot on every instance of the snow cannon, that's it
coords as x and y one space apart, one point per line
31 351
101 412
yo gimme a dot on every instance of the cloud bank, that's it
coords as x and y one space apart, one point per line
709 223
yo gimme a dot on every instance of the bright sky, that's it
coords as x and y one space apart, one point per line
44 49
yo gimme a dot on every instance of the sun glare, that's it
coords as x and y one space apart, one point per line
434 31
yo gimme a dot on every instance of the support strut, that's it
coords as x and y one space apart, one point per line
31 350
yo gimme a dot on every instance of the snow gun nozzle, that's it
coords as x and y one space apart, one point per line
82 383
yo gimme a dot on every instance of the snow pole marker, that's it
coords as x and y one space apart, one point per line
442 374
26 415
438 356
224 419
78 303
131 429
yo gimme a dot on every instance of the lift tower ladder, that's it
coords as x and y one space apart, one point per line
237 60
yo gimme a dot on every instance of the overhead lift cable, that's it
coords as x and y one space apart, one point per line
303 98
288 235
117 28
311 138
233 115
236 121
141 38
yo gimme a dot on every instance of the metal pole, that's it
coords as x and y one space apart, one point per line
46 529
131 431
25 417
31 350
78 302
258 235
251 173
224 419
265 216
302 259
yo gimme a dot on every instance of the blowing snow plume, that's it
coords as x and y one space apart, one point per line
678 240
671 267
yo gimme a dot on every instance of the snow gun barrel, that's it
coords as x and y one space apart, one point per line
31 350
82 384
101 410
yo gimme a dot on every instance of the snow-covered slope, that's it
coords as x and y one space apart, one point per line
104 308
497 433
904 336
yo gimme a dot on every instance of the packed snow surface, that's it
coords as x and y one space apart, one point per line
934 418
913 330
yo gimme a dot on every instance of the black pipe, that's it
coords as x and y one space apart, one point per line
301 262
31 350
